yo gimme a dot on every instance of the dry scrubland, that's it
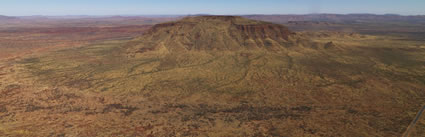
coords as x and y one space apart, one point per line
322 83
17 42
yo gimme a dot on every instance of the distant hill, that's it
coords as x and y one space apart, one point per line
6 17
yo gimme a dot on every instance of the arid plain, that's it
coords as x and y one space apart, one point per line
259 75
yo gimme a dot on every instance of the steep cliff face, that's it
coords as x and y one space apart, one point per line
214 33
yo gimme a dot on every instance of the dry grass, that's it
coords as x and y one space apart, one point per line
362 86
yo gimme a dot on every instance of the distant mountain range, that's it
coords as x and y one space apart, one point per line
337 18
281 19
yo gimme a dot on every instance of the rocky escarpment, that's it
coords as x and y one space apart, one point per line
214 33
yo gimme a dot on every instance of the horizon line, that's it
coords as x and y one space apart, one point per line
64 15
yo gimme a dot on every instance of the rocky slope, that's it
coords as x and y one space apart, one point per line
215 33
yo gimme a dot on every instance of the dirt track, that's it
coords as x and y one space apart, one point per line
413 124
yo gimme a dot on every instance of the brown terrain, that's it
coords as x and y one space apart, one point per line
212 76
25 35
18 42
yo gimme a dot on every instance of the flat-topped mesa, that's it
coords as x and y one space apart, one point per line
215 33
192 21
214 17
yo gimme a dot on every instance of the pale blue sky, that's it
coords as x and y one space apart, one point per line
156 7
